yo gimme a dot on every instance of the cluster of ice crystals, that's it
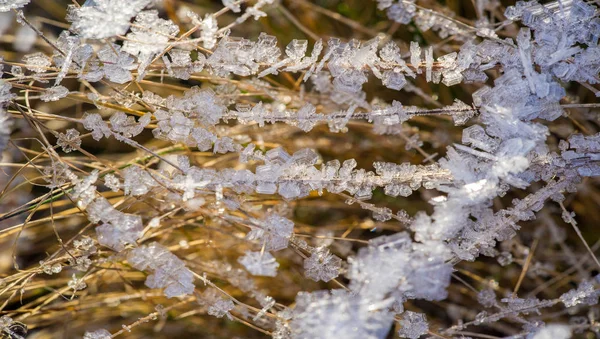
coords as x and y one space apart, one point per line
209 28
168 271
94 122
585 293
552 331
259 263
413 325
117 65
217 306
322 265
126 124
137 181
7 5
69 141
149 36
274 231
77 284
111 181
486 297
117 228
233 5
97 334
583 154
54 93
37 62
394 265
338 314
99 19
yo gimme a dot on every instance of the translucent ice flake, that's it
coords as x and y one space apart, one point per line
339 314
7 5
54 93
97 334
168 271
585 293
69 141
275 231
257 263
322 265
37 62
149 35
100 19
413 325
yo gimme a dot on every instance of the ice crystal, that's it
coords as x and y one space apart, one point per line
168 271
97 334
149 35
37 62
413 325
54 93
70 140
259 263
99 19
585 293
7 5
322 265
325 314
274 231
117 228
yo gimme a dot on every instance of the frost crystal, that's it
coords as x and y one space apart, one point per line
69 141
127 126
221 308
97 334
338 314
116 64
275 231
217 306
54 93
37 62
7 5
112 182
77 284
413 325
99 19
487 297
117 228
584 294
258 263
209 30
168 271
93 122
149 36
553 331
322 265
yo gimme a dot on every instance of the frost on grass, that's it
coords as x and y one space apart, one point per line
215 163
338 313
98 19
167 270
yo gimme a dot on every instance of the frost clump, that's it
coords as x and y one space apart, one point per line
7 5
97 334
322 265
338 314
99 19
168 271
260 263
413 325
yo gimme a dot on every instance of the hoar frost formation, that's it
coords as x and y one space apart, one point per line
503 149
